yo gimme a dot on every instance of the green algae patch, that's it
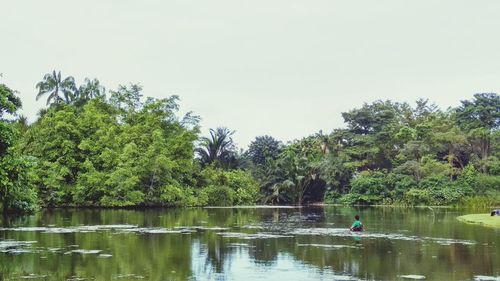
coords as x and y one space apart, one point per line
482 219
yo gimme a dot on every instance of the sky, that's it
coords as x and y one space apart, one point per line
284 68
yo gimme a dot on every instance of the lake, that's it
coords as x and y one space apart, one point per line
279 243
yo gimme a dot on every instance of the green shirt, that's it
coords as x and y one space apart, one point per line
357 224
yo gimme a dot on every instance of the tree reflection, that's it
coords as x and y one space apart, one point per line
202 252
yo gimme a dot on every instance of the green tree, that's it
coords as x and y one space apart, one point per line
218 149
90 89
480 117
54 85
264 149
17 193
294 177
9 104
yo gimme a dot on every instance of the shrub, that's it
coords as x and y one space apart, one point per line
370 187
218 195
331 196
349 198
245 188
416 196
17 193
172 196
487 182
447 195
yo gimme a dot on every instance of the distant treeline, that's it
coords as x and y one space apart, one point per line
91 147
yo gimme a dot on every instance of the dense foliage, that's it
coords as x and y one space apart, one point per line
17 192
87 149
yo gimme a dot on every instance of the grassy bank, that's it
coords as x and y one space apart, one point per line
482 219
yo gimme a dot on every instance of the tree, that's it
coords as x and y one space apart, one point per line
53 85
264 149
127 97
9 104
90 89
16 188
294 177
482 111
218 149
480 117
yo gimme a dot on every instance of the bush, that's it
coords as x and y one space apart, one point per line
433 182
487 182
176 196
218 195
370 186
447 195
399 184
173 196
245 188
416 196
331 196
349 198
17 192
480 202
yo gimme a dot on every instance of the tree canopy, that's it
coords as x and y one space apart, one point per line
126 149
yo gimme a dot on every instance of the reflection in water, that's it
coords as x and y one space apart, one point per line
357 238
246 244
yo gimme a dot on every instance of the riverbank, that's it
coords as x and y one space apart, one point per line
482 219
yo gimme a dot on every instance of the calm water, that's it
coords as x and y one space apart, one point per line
247 244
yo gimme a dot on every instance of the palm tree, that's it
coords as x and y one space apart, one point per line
91 89
22 120
218 148
53 85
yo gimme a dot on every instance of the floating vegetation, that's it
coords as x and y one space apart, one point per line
327 246
240 245
345 278
155 230
342 232
447 242
104 256
73 229
412 276
252 226
83 252
119 228
54 250
248 236
194 228
486 278
132 276
16 247
33 276
76 278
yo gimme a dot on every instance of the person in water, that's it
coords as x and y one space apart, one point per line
495 212
357 225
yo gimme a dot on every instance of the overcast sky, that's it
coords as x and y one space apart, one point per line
285 68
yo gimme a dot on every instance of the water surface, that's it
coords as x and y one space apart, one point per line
247 244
